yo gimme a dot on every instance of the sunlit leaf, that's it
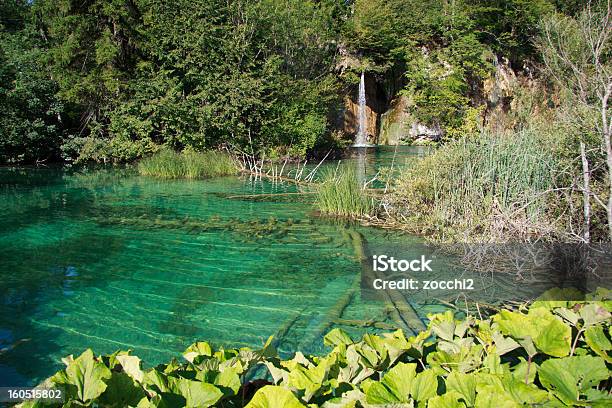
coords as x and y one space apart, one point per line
597 340
336 337
272 396
84 378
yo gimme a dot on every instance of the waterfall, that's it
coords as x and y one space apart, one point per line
361 139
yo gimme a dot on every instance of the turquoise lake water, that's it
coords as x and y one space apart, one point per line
111 260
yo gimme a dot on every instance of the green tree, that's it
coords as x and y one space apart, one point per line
245 74
509 26
31 123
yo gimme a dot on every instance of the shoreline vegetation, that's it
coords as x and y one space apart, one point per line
169 164
551 352
339 193
481 188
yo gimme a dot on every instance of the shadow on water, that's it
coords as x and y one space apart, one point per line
52 249
34 276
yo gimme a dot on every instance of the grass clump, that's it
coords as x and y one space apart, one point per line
340 193
189 164
490 186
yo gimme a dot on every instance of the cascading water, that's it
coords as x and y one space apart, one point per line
361 139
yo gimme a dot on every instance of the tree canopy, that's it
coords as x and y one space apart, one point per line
115 79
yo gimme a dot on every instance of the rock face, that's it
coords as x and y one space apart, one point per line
395 122
498 91
388 122
388 112
398 126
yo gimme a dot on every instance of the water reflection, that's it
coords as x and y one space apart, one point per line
360 164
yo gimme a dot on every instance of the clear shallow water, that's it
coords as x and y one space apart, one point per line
110 260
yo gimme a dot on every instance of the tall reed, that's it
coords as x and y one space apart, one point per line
473 186
340 193
191 165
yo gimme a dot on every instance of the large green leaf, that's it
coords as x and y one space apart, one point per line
466 360
196 393
444 325
570 377
84 378
155 381
515 324
492 362
228 379
569 315
490 397
549 334
131 365
464 385
399 379
377 393
368 357
348 399
524 394
121 391
592 313
273 396
424 386
554 338
200 348
525 370
597 340
394 387
278 373
309 379
598 398
503 344
162 401
450 399
379 346
554 376
395 347
336 337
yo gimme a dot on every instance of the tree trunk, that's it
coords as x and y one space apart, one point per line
586 193
607 129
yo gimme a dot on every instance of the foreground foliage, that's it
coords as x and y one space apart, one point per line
553 353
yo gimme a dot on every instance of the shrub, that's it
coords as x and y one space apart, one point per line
192 165
553 353
340 193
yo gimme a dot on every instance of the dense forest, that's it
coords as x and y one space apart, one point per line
111 80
